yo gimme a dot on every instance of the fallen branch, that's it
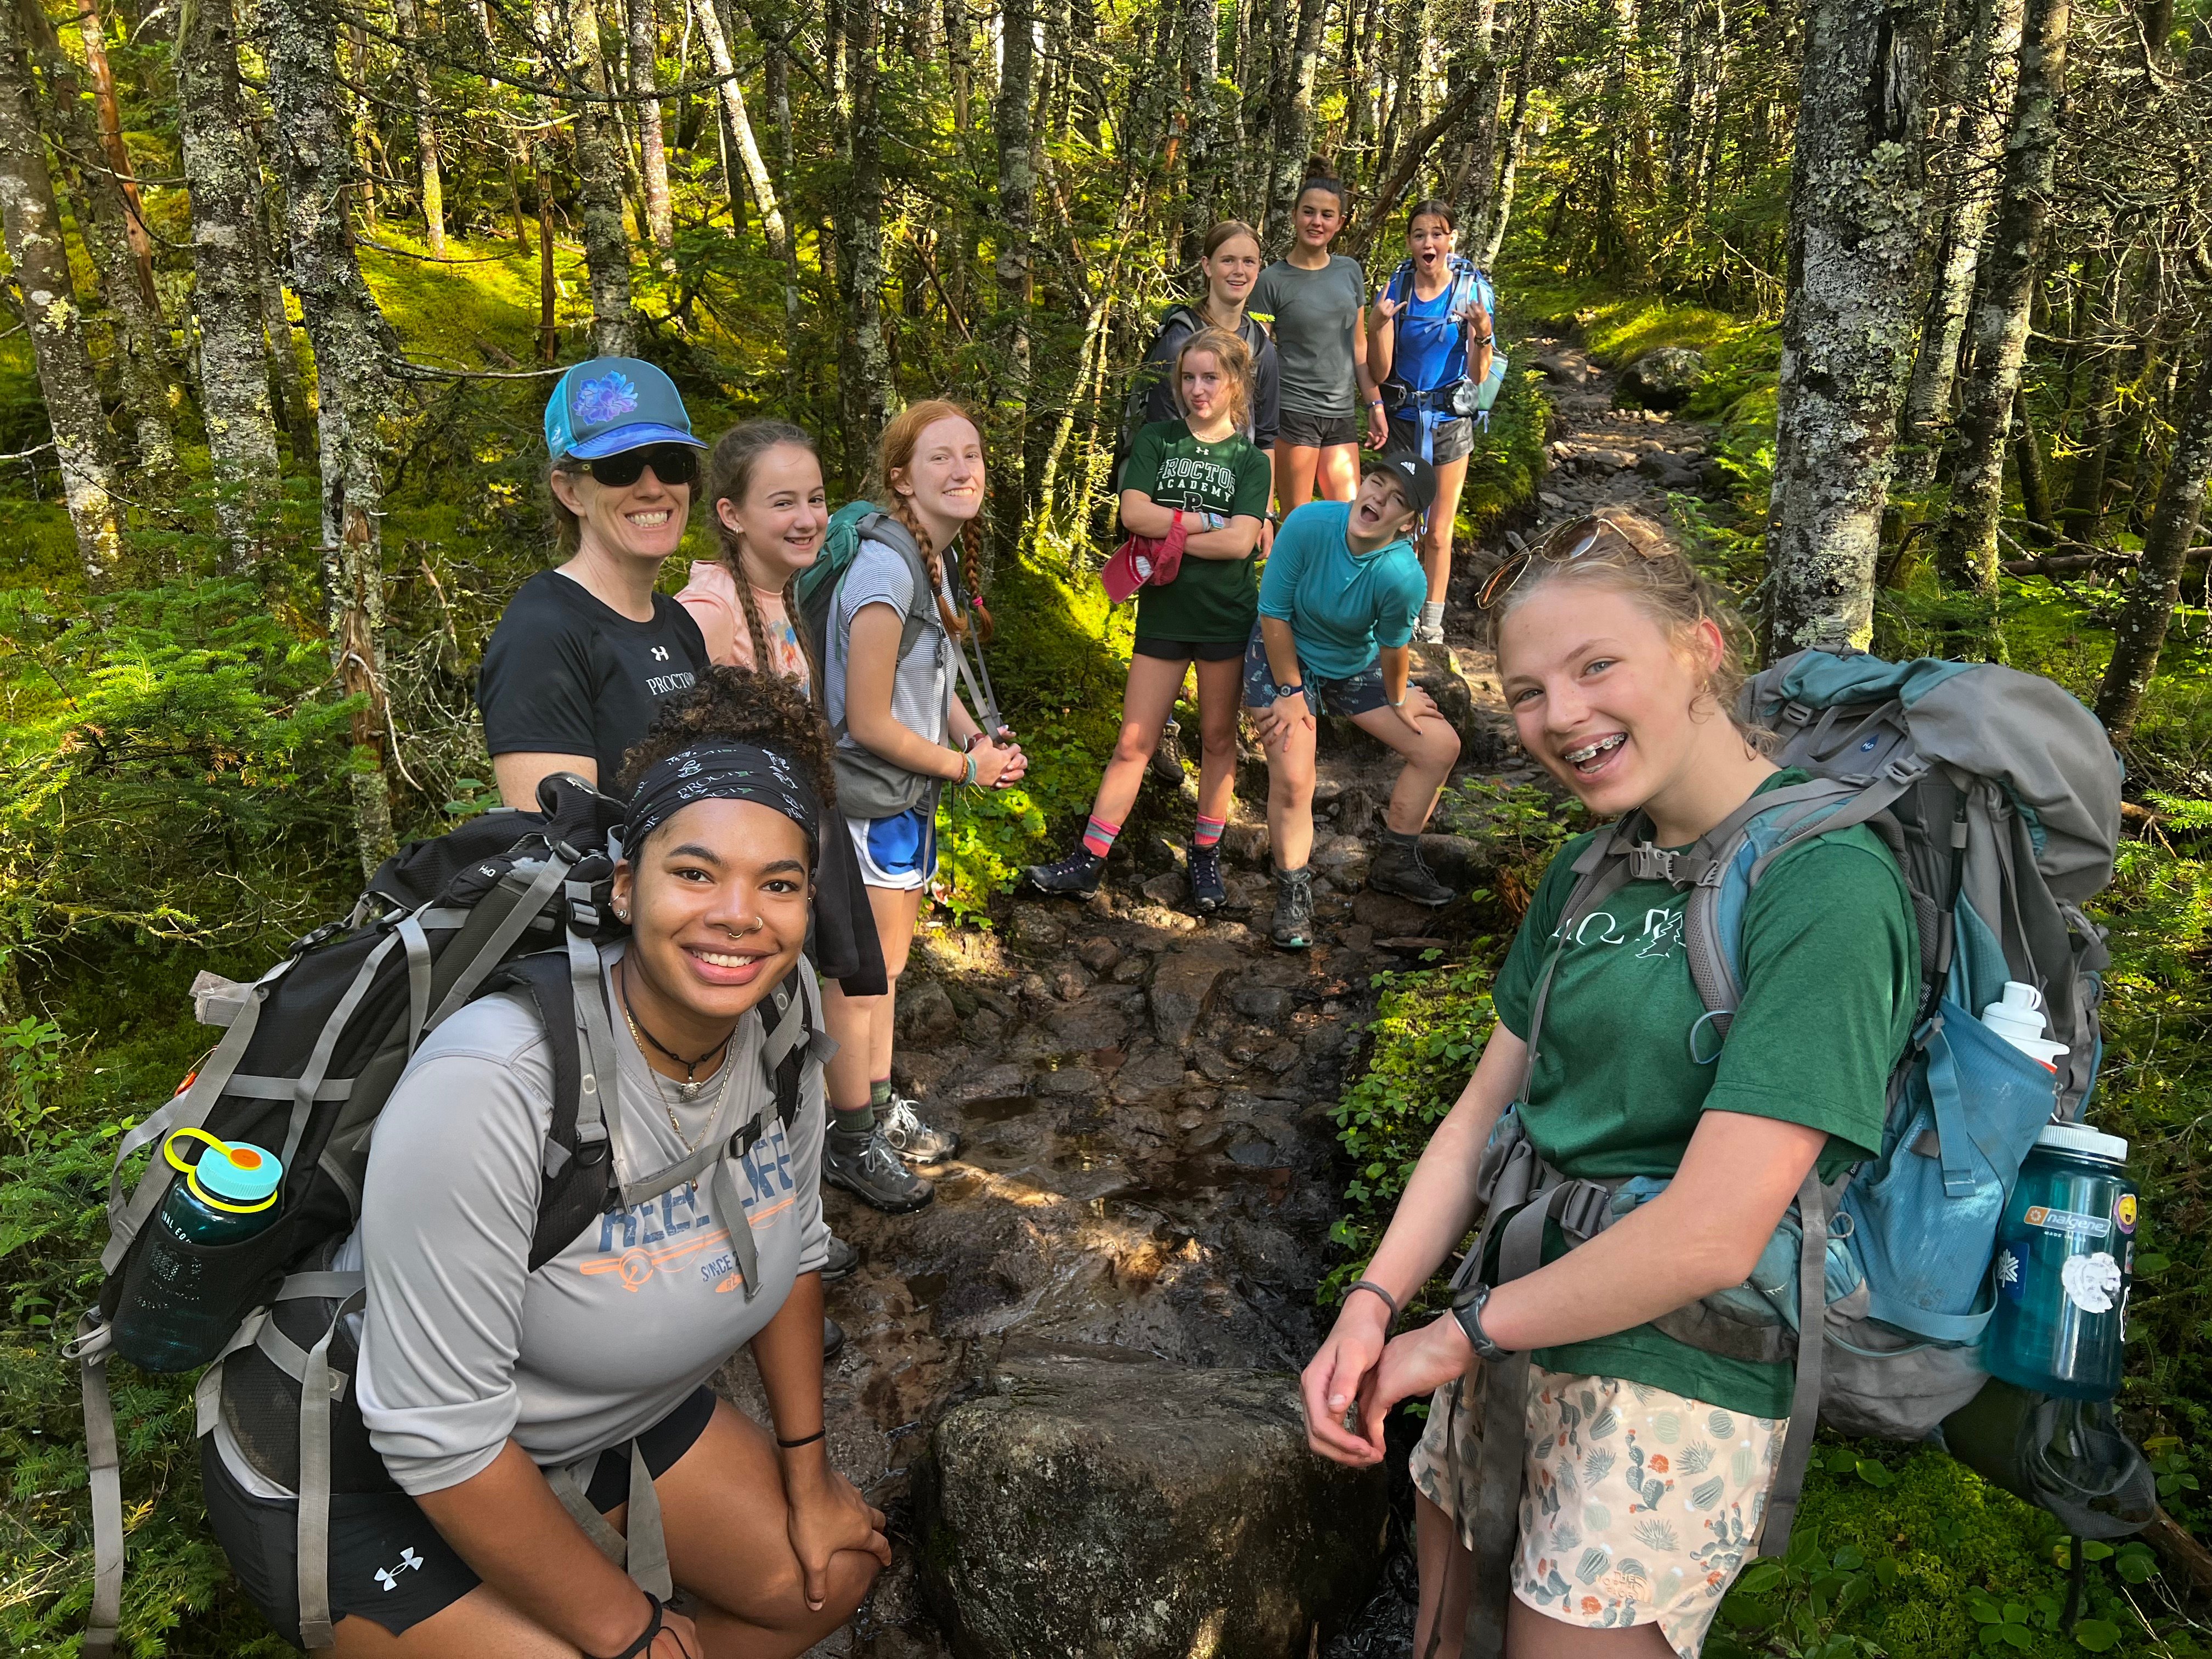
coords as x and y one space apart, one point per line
2059 564
2183 1555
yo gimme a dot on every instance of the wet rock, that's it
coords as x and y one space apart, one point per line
1069 1080
1415 947
1069 983
1387 914
1094 1023
1147 1074
1215 1066
990 1082
1132 971
1664 379
925 1013
1266 1003
1105 1504
1166 889
1098 955
1280 1058
1181 985
986 1027
1034 930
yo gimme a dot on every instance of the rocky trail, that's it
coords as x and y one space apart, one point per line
1117 1275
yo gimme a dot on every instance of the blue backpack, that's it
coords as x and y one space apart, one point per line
1463 398
1999 796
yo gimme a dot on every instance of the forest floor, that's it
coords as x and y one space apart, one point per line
1144 1096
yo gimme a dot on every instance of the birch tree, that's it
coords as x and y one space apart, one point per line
405 25
865 372
600 180
1293 122
774 229
1017 229
652 147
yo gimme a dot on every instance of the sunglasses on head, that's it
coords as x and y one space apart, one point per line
672 464
1562 546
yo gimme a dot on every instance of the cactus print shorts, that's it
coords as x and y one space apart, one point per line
1637 1505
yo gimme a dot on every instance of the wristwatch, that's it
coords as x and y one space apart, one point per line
1466 1308
1298 690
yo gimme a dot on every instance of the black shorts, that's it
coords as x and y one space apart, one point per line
1317 431
1453 440
387 1563
1148 645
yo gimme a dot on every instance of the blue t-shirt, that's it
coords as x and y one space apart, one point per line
1343 607
1428 346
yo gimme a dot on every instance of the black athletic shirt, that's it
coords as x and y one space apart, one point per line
567 675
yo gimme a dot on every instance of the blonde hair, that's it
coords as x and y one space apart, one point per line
1635 557
729 476
894 456
1235 359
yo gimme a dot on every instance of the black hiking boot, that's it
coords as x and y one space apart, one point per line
1075 876
1397 869
871 1171
1293 929
1207 892
833 1337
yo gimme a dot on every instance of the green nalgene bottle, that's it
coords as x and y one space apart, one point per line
176 1319
2065 1255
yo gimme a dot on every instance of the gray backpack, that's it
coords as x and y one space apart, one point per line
1998 794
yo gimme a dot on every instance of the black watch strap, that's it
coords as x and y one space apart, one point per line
1466 1308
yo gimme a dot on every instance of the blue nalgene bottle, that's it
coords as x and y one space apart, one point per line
2066 1255
178 1315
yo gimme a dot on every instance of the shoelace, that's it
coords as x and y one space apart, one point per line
902 1117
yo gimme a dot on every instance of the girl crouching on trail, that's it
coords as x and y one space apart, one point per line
507 1408
1201 472
1337 608
899 623
1649 1461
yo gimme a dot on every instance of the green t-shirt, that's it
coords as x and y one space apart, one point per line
1830 972
1210 601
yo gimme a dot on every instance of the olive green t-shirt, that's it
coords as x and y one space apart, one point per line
1210 601
1830 963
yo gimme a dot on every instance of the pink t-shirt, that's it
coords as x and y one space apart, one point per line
710 593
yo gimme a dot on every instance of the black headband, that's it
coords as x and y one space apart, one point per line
720 771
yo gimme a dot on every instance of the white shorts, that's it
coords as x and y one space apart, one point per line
899 852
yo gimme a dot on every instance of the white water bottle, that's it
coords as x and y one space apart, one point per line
2018 1018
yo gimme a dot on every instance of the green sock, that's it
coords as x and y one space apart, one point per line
857 1124
880 1093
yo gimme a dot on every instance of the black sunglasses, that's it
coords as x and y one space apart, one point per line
672 464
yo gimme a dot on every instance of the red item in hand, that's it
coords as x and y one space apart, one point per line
1144 559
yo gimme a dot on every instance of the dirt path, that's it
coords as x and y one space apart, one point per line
1144 1096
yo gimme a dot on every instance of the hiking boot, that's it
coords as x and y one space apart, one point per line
833 1337
1207 892
905 1133
841 1259
1397 869
1075 876
872 1172
1292 928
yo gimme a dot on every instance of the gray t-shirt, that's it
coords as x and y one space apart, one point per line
922 686
463 1347
1316 313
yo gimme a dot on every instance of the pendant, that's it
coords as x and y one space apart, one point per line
689 1092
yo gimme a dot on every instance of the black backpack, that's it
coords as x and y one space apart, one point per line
509 901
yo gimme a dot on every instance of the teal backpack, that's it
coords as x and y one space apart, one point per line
1999 796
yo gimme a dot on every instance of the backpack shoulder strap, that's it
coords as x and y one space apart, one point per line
576 1169
1601 871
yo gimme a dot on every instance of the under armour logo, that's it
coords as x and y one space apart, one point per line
389 1576
661 653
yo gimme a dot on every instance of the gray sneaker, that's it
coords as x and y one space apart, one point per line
902 1127
1292 927
872 1173
841 1259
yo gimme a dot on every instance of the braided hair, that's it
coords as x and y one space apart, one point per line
729 477
894 459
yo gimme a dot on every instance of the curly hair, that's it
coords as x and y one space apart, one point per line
737 704
729 477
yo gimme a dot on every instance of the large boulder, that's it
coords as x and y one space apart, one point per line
1662 379
1103 1503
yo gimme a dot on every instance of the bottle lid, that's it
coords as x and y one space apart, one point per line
227 1172
2080 1138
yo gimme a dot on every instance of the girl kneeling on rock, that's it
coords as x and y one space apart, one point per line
1648 1461
1337 608
1203 473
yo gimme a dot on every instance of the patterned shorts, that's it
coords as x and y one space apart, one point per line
1636 1505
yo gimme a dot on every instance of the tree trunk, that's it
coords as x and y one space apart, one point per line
289 400
31 224
1478 167
600 175
1971 163
426 132
1847 332
549 285
1202 63
864 378
227 298
104 222
352 343
1517 139
2027 467
1967 543
1016 230
1405 112
367 144
93 34
2140 633
1293 123
774 229
653 151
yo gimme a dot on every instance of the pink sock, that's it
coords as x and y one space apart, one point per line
1208 832
1098 837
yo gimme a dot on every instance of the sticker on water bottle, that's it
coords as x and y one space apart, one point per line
2091 1282
2123 1212
2008 1274
2075 1224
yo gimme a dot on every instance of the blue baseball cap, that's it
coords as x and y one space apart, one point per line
607 405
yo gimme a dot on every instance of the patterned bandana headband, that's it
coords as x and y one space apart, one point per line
720 771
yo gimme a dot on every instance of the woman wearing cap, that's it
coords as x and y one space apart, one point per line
511 1415
1337 608
1199 474
586 651
1314 300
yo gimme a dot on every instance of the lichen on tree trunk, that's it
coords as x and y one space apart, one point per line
1016 230
1847 335
600 180
864 388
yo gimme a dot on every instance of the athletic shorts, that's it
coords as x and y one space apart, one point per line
388 1564
1637 1505
1317 431
1454 441
1148 645
899 852
1354 695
